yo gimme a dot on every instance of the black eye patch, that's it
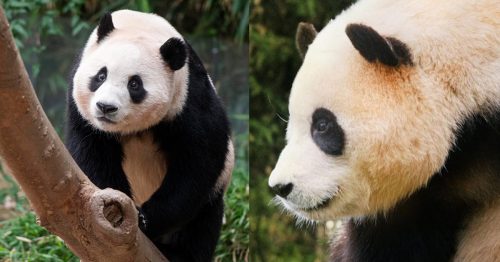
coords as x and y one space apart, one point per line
97 80
136 89
326 132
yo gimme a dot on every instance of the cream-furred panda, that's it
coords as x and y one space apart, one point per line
394 127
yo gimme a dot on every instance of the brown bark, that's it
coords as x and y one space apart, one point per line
97 225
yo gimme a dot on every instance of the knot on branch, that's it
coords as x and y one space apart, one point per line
113 213
115 216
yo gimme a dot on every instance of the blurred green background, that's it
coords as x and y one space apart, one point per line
273 65
49 33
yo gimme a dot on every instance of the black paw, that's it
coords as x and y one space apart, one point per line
143 222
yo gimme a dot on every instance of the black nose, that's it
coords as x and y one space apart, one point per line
105 108
282 190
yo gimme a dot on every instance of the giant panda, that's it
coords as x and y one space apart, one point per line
394 129
144 119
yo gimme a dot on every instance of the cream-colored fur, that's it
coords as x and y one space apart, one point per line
131 49
399 123
144 165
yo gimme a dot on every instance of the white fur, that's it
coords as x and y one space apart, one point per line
399 123
131 49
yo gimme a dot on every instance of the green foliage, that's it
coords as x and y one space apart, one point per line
218 17
274 63
37 25
21 239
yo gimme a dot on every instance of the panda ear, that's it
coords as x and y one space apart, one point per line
374 47
105 27
306 33
174 52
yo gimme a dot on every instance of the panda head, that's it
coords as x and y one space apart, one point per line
132 73
370 122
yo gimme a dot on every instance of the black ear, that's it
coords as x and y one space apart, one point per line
105 27
374 47
304 37
174 53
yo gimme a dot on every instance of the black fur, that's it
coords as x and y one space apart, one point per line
184 216
326 132
174 53
105 27
374 47
426 226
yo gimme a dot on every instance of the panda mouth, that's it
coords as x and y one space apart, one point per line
106 120
319 206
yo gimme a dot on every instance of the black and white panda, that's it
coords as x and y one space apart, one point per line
144 118
394 127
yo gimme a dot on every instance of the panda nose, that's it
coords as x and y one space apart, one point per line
282 190
105 108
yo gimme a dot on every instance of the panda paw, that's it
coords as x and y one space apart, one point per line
143 223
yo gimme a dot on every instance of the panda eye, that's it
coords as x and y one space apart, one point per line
322 125
133 84
326 132
101 77
136 89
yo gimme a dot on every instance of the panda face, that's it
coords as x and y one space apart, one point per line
123 83
361 135
122 93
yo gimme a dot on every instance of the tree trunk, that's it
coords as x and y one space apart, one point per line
97 225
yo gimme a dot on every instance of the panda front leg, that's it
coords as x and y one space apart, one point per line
182 217
198 239
98 155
